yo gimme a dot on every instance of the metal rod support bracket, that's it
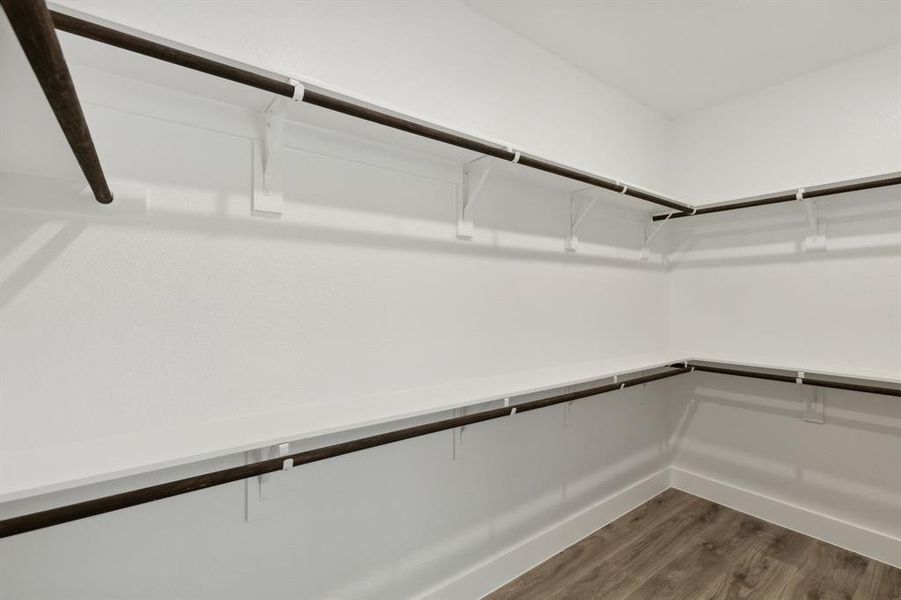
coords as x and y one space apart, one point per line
649 232
580 204
815 240
266 200
475 173
264 487
814 405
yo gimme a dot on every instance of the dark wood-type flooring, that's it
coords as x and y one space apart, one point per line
680 547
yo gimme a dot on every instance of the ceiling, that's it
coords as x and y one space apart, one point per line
677 57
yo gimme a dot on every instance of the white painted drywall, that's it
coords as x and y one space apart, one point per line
837 123
742 288
393 522
199 312
436 60
744 442
118 327
745 291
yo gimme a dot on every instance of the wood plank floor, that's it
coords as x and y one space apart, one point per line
680 547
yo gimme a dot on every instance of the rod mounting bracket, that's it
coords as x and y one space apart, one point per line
263 488
475 172
649 232
580 204
814 405
815 240
267 201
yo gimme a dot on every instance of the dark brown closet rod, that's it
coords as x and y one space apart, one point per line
790 196
175 56
89 508
793 378
33 26
98 506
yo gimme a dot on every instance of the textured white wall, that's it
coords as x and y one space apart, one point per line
746 441
384 524
115 327
437 60
837 123
213 314
741 288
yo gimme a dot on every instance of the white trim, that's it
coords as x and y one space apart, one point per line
500 569
835 531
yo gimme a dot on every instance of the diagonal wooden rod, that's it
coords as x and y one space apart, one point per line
33 25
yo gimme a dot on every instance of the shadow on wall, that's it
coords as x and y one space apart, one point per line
355 192
514 229
27 248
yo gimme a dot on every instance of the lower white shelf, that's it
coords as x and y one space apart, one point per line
41 471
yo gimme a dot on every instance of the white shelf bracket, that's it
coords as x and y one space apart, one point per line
458 434
815 240
264 487
814 405
580 204
649 232
567 414
475 173
267 200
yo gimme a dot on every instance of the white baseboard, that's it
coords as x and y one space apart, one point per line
870 543
506 566
501 568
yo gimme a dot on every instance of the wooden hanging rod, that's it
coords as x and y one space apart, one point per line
789 196
98 506
796 377
34 29
32 23
283 87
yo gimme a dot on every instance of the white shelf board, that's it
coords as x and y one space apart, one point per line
810 368
82 53
40 471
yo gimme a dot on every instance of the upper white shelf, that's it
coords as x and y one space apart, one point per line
87 59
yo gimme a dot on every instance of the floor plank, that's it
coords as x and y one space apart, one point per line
880 582
828 573
767 562
628 568
696 568
680 547
570 563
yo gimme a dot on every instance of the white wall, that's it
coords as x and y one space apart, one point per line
841 122
117 327
362 288
743 289
393 522
439 61
743 442
746 292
